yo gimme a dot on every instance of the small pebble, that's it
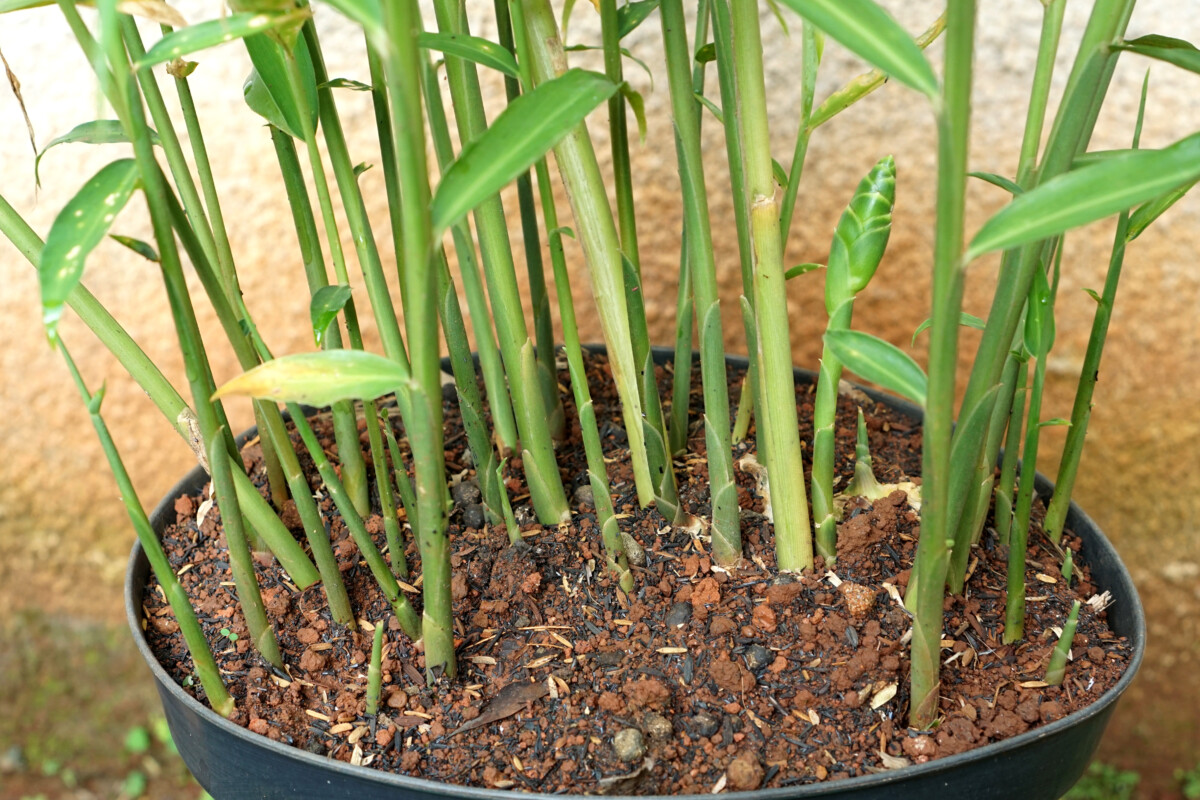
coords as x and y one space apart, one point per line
634 550
584 497
745 773
315 746
473 516
629 744
757 657
679 615
449 393
657 726
860 600
465 493
703 724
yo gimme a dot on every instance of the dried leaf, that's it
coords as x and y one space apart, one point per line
1044 578
509 701
1033 684
153 10
893 762
883 696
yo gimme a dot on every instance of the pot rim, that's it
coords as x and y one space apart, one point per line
1078 518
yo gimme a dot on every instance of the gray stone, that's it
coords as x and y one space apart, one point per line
466 493
703 724
584 498
634 550
657 726
474 516
679 615
629 744
757 657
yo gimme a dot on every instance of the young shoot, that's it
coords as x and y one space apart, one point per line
1057 668
374 670
864 483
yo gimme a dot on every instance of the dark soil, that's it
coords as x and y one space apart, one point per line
702 679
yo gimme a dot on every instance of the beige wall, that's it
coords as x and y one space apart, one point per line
57 500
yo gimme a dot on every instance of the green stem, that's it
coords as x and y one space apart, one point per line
926 588
539 299
1018 540
310 518
1006 487
824 445
1081 411
402 66
972 515
345 422
541 469
409 621
181 607
726 524
597 232
808 81
494 381
614 548
240 561
779 437
727 81
681 385
1087 86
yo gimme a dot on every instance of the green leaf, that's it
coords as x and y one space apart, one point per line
561 230
530 126
1087 194
20 5
712 107
998 180
204 35
98 131
966 320
327 302
879 362
861 235
638 106
1039 316
1053 422
320 379
866 30
359 169
143 249
1092 293
780 174
631 15
1145 215
76 231
472 48
345 83
1164 48
801 269
271 76
1096 156
707 53
774 5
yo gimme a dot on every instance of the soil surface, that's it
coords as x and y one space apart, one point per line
702 679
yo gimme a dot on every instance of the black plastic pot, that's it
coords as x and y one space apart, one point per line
232 763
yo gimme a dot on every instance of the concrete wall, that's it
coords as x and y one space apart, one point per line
57 500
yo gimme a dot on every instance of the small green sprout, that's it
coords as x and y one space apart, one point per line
375 671
864 483
228 634
1058 659
1068 566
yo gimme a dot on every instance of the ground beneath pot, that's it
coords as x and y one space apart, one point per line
699 680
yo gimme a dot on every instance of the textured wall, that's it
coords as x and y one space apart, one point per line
57 499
